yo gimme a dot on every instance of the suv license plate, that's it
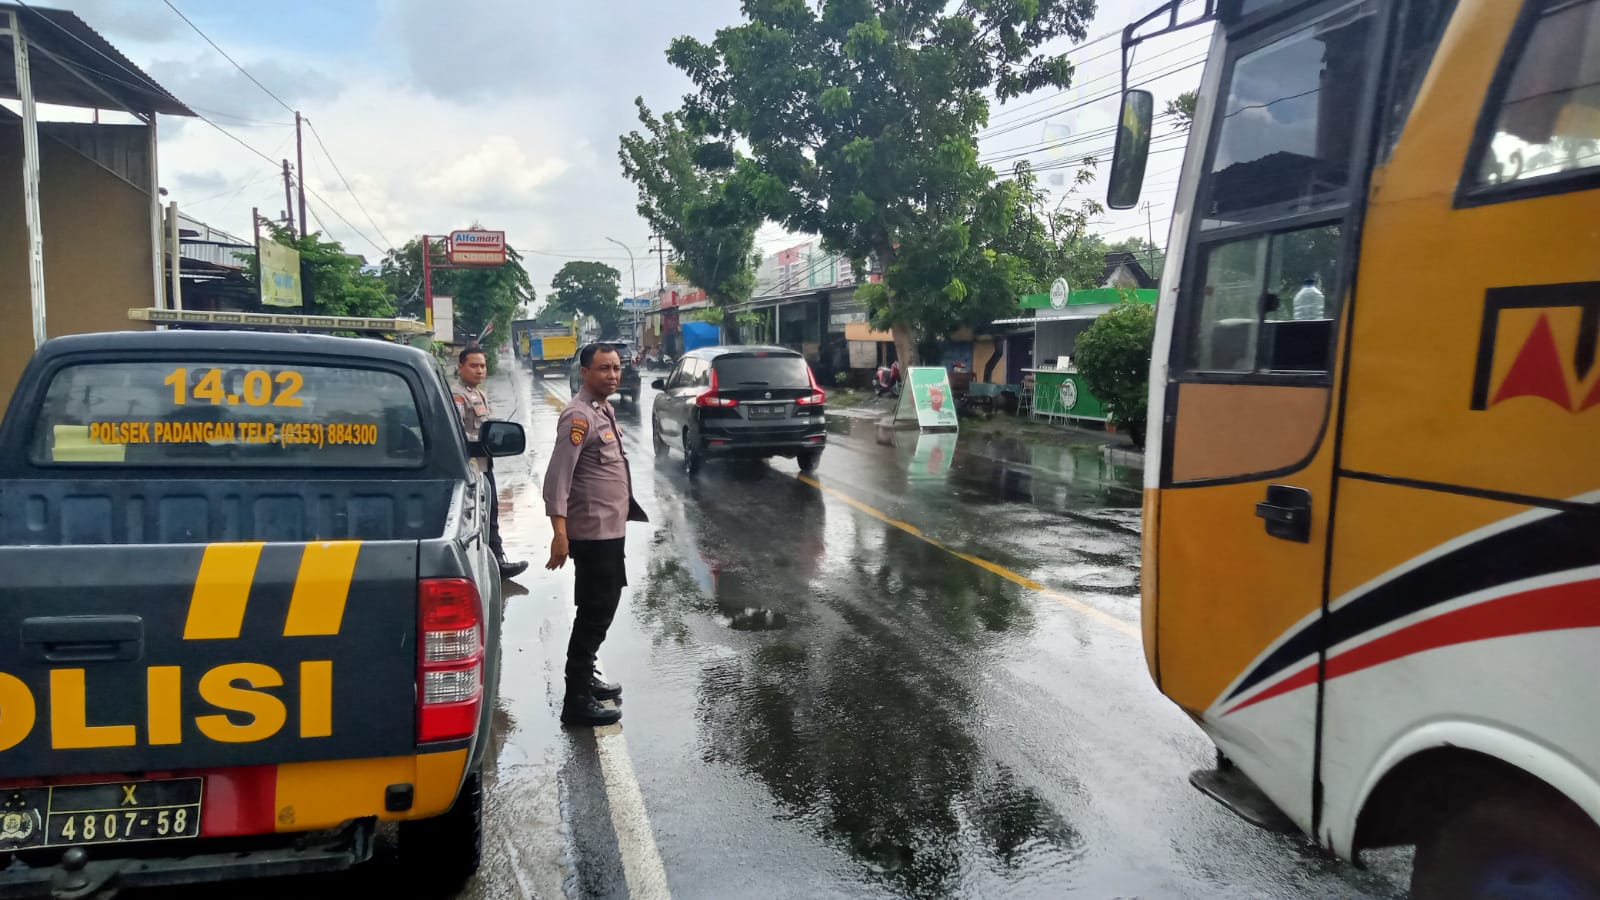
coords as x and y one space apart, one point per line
76 814
769 412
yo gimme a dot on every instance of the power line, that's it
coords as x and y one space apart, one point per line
226 56
1081 85
347 187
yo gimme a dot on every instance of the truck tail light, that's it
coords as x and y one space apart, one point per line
449 659
710 398
817 397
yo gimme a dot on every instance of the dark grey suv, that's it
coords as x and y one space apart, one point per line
751 402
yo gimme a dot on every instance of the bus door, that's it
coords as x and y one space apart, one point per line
1465 590
1245 484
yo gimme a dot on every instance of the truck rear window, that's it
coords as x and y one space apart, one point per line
762 371
210 414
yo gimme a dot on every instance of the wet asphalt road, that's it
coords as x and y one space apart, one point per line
918 675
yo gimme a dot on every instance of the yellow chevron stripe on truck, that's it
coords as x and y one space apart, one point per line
227 573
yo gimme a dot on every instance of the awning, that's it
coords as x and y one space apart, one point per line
72 65
1082 313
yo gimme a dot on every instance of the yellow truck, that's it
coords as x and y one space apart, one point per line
544 349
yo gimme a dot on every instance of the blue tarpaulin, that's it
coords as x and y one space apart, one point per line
700 334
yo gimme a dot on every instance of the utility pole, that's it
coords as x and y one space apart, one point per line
255 224
174 245
1150 228
288 195
663 259
300 167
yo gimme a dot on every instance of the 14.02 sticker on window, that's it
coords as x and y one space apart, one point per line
196 413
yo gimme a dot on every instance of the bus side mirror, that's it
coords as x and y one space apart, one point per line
1132 149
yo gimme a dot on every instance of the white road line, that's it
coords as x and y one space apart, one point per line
642 866
523 891
641 860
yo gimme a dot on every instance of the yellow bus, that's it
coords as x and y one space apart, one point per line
1372 507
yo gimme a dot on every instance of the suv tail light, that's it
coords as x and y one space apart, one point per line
710 398
817 397
449 659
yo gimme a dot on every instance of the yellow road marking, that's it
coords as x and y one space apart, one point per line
216 608
1072 603
321 588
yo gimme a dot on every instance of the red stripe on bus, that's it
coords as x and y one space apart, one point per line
1559 607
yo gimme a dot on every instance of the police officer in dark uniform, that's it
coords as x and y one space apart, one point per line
472 405
588 494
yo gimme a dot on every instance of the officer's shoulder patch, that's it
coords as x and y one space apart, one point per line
460 400
580 428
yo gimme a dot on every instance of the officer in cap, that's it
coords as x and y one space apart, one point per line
588 494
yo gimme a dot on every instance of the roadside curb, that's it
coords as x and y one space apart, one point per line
1120 457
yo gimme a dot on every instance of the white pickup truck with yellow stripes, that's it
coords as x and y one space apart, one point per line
249 611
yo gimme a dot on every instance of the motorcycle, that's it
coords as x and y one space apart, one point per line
886 381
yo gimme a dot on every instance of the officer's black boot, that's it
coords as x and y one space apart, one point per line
604 690
582 710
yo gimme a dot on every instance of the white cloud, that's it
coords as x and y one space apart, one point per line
495 175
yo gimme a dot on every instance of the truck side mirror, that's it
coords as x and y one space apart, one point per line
1132 150
502 439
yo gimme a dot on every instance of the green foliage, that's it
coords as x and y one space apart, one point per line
688 194
1181 108
861 119
1151 257
594 289
1055 241
482 295
332 282
1114 356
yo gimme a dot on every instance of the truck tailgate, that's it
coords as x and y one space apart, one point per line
147 657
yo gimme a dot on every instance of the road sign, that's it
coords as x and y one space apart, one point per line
472 247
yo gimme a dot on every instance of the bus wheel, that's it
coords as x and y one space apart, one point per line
1501 848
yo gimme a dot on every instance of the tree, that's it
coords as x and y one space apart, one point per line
1114 356
482 295
331 280
589 289
1181 108
1150 256
861 119
688 196
1055 241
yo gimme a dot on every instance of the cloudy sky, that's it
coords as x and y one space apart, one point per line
501 112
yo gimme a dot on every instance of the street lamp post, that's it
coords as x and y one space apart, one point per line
634 275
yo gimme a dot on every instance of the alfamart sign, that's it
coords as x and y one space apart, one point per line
473 247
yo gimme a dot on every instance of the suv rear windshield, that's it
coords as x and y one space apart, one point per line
198 413
762 371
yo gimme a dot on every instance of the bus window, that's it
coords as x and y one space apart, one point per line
1546 119
1267 304
1285 141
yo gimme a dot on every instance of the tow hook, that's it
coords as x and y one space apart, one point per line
74 880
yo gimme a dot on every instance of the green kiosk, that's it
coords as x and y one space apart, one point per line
1059 391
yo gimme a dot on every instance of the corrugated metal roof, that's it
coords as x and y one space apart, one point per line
69 61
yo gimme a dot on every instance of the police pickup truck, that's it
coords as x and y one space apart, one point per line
247 610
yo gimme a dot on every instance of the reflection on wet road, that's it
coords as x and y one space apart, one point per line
918 676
